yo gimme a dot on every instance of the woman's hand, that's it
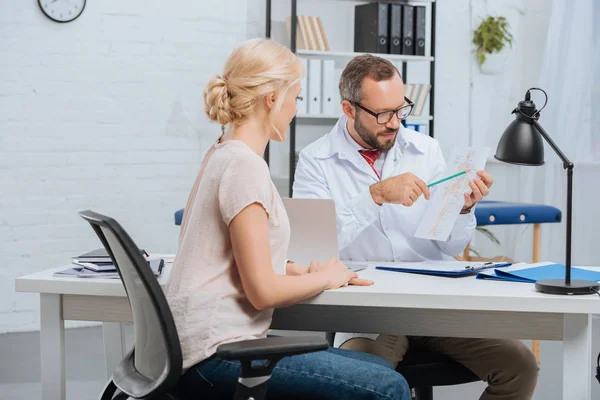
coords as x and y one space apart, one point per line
333 263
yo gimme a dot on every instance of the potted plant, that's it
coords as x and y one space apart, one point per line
490 39
488 234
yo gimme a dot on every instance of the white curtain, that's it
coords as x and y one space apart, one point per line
570 74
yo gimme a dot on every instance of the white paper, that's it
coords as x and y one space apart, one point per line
447 198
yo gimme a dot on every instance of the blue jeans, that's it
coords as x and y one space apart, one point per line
332 374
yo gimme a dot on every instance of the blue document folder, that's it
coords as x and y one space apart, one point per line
534 274
443 268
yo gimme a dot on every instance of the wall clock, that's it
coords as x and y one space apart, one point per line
62 10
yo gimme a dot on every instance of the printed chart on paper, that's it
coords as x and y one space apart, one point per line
447 198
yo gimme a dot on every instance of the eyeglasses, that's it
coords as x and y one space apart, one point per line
386 116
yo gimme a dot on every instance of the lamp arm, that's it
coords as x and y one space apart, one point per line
568 165
566 162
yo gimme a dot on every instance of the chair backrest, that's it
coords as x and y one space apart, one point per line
155 363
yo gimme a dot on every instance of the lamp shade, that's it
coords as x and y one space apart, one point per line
521 143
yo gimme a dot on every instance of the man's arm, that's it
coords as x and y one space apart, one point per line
353 215
357 213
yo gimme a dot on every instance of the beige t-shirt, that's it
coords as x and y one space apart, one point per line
204 291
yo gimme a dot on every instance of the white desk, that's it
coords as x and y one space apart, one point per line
402 303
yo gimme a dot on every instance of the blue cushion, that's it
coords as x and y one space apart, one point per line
505 213
495 213
178 216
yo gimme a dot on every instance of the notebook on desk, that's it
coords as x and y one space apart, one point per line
443 268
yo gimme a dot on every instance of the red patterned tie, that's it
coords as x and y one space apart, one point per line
370 156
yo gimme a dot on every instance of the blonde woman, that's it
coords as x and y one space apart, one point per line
230 271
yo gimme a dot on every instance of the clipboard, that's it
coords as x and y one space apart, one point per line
443 268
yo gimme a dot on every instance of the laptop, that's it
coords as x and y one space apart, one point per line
313 231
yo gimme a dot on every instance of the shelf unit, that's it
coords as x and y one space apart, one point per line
336 55
340 55
410 119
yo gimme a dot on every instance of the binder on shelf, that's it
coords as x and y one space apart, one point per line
302 103
314 87
421 98
316 27
329 86
418 94
395 29
323 35
336 91
420 21
408 30
301 38
371 28
310 34
418 127
307 33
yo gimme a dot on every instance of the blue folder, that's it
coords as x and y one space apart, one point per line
450 269
532 275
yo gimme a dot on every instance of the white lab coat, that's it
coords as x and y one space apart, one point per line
332 168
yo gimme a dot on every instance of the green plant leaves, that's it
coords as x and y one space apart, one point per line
491 36
487 233
481 57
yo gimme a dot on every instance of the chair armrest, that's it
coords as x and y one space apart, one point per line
272 347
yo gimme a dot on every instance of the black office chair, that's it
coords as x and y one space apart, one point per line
151 369
424 370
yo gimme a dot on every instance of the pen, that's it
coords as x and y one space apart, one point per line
448 178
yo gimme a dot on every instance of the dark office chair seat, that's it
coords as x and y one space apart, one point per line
151 369
424 370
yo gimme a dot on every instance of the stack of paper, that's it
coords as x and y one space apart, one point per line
90 270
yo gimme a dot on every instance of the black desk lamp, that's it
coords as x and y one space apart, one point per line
522 144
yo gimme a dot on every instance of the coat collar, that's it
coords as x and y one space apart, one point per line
336 143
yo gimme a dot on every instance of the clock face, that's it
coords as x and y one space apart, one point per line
62 10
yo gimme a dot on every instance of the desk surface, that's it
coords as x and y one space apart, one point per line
391 289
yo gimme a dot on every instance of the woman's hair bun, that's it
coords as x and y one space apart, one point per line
217 101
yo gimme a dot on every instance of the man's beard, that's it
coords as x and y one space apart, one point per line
370 138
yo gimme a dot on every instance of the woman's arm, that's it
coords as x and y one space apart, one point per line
265 289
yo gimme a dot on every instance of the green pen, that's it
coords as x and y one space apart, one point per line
448 178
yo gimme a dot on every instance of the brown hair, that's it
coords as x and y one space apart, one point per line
358 69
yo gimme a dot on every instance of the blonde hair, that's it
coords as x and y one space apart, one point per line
255 69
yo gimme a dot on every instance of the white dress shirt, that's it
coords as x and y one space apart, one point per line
332 168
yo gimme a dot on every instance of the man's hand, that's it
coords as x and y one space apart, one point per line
402 189
481 187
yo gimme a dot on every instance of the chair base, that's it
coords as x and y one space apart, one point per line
424 370
424 393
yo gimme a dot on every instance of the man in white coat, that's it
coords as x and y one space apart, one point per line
375 170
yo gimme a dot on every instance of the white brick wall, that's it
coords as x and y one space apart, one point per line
105 113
